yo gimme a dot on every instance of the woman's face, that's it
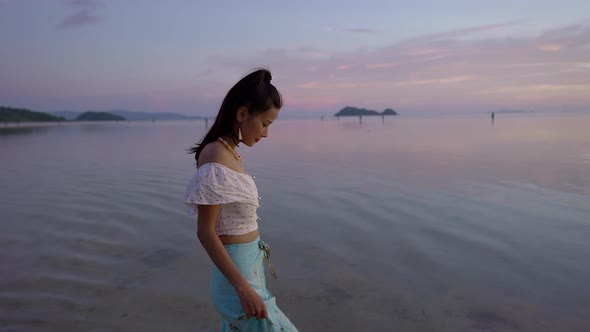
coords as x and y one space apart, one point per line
255 127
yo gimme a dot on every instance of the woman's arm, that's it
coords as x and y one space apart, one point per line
251 302
212 244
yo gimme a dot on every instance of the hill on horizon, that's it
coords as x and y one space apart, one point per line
10 114
98 116
134 115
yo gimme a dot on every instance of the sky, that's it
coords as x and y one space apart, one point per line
183 56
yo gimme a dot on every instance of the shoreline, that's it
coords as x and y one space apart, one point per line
33 124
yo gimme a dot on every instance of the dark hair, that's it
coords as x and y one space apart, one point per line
255 92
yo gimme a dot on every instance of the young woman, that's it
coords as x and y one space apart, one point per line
225 199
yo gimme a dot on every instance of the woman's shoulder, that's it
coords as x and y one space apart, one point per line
213 153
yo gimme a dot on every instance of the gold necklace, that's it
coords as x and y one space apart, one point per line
233 151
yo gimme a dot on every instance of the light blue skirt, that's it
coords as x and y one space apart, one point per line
249 258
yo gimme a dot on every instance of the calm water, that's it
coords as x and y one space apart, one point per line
406 224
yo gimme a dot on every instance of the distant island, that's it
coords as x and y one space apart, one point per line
135 116
99 116
146 116
18 115
353 111
9 114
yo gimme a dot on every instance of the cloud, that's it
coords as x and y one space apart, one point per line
445 80
84 13
542 88
550 47
484 28
417 52
78 19
365 31
469 31
83 3
316 85
309 85
382 65
480 72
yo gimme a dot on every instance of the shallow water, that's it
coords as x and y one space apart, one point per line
407 223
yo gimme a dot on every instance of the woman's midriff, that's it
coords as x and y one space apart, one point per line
242 238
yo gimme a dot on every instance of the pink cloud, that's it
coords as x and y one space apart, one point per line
567 89
309 85
302 102
316 85
382 65
427 51
454 72
550 47
445 80
470 31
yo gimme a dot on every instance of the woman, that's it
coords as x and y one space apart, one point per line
225 198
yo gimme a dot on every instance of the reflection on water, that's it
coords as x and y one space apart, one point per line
446 224
15 131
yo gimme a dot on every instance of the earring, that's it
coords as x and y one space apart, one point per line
239 134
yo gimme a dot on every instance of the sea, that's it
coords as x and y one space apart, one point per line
401 223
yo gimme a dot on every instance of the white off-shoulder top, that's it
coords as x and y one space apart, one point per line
235 192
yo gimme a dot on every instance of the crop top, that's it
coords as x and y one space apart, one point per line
235 192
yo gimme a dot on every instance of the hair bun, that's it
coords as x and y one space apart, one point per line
267 77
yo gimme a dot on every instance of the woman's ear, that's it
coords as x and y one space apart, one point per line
242 113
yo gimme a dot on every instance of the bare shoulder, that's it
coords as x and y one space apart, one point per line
214 152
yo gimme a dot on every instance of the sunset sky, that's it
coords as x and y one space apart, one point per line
183 56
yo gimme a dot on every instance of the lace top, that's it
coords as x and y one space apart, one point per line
235 192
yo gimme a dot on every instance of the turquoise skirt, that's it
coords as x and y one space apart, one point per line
249 258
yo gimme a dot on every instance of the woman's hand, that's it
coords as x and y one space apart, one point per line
252 303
